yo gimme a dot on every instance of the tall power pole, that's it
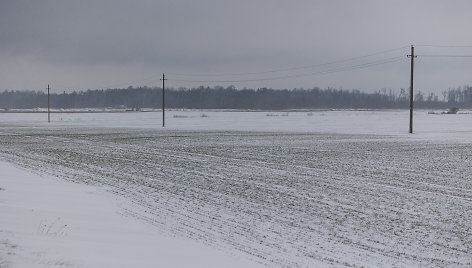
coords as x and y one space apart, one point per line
412 56
49 113
163 100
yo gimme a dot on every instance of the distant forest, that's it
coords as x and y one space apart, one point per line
232 98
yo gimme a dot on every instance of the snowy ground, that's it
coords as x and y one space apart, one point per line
286 190
51 223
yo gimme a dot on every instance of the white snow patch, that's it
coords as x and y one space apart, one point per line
379 122
47 222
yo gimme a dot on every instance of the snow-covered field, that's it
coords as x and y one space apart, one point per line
296 189
46 222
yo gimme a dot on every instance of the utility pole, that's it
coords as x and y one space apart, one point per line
163 100
412 56
49 112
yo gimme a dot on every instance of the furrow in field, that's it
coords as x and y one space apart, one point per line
286 200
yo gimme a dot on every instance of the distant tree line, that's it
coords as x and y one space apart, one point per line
231 98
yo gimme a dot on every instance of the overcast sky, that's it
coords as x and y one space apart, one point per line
83 44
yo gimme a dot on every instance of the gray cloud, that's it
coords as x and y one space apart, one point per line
88 44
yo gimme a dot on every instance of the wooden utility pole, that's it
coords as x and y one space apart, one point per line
163 100
49 112
412 56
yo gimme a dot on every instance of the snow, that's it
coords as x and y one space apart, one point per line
284 189
48 222
378 122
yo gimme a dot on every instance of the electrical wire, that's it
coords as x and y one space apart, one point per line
329 71
322 72
445 46
296 68
445 56
151 78
157 77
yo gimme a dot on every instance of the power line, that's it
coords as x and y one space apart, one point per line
444 56
329 71
154 78
323 72
299 67
445 46
115 85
